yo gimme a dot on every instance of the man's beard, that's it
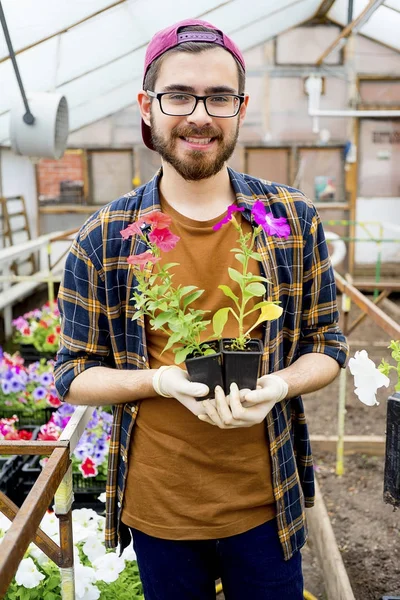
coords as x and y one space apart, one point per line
197 164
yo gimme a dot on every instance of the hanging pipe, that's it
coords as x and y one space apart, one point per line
28 117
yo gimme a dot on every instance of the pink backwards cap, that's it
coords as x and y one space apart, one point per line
170 37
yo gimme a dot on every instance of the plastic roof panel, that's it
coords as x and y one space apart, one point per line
96 48
383 26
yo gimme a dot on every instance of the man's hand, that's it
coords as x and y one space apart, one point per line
269 388
173 382
230 413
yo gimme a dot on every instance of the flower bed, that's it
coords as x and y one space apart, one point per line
27 391
99 573
38 332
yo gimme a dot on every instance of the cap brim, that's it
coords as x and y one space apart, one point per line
146 135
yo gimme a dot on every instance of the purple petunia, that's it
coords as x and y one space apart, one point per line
272 226
46 378
6 386
39 393
231 209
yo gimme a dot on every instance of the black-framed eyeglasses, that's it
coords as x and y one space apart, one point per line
181 104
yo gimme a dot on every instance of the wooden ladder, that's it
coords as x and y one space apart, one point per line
12 232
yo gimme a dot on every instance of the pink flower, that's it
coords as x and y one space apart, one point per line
159 220
88 468
231 209
272 226
132 229
141 260
164 239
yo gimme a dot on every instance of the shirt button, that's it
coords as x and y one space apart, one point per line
124 458
143 358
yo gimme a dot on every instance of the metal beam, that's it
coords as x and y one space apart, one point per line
352 27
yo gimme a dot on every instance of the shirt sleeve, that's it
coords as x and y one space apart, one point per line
320 331
85 335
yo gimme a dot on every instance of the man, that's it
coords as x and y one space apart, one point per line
216 487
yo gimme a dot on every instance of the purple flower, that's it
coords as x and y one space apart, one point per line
94 420
6 386
39 393
16 386
272 226
83 450
46 378
231 209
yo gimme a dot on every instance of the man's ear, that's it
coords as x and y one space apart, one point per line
243 109
144 103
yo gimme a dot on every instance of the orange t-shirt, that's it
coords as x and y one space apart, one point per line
188 479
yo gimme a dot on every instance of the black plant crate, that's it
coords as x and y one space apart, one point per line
241 366
31 355
206 369
11 466
391 488
28 418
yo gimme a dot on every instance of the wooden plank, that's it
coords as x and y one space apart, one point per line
30 447
41 539
76 426
27 521
323 541
371 445
367 306
364 284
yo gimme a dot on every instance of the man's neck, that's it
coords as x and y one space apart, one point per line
199 200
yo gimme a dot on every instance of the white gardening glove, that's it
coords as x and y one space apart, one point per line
269 388
229 412
173 382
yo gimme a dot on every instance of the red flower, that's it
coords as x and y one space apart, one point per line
141 260
58 329
159 220
132 229
43 324
51 338
53 401
26 331
25 435
88 468
164 239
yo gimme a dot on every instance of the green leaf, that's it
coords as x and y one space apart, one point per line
191 298
256 256
161 319
168 266
173 339
255 289
228 292
240 258
251 278
181 355
219 320
235 275
136 315
186 290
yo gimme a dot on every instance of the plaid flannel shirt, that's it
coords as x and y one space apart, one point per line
97 330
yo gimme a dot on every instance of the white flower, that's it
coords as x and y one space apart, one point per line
102 497
28 574
84 523
38 554
108 567
367 378
50 525
93 548
84 578
4 524
129 553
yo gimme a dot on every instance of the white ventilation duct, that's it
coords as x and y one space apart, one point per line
47 135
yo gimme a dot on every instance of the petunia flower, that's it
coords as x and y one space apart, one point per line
164 239
108 567
231 209
158 220
88 468
93 548
28 574
272 226
141 260
133 229
367 378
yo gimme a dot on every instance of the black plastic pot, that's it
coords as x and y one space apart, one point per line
241 366
11 475
206 369
32 417
31 355
391 488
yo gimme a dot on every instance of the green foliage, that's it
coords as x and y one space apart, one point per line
385 367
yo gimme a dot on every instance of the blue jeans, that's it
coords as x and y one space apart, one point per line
250 564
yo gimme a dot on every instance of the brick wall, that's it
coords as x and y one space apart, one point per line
52 172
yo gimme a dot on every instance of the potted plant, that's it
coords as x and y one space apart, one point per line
168 307
27 392
241 356
38 333
99 573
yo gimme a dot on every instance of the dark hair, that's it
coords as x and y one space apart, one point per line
154 69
